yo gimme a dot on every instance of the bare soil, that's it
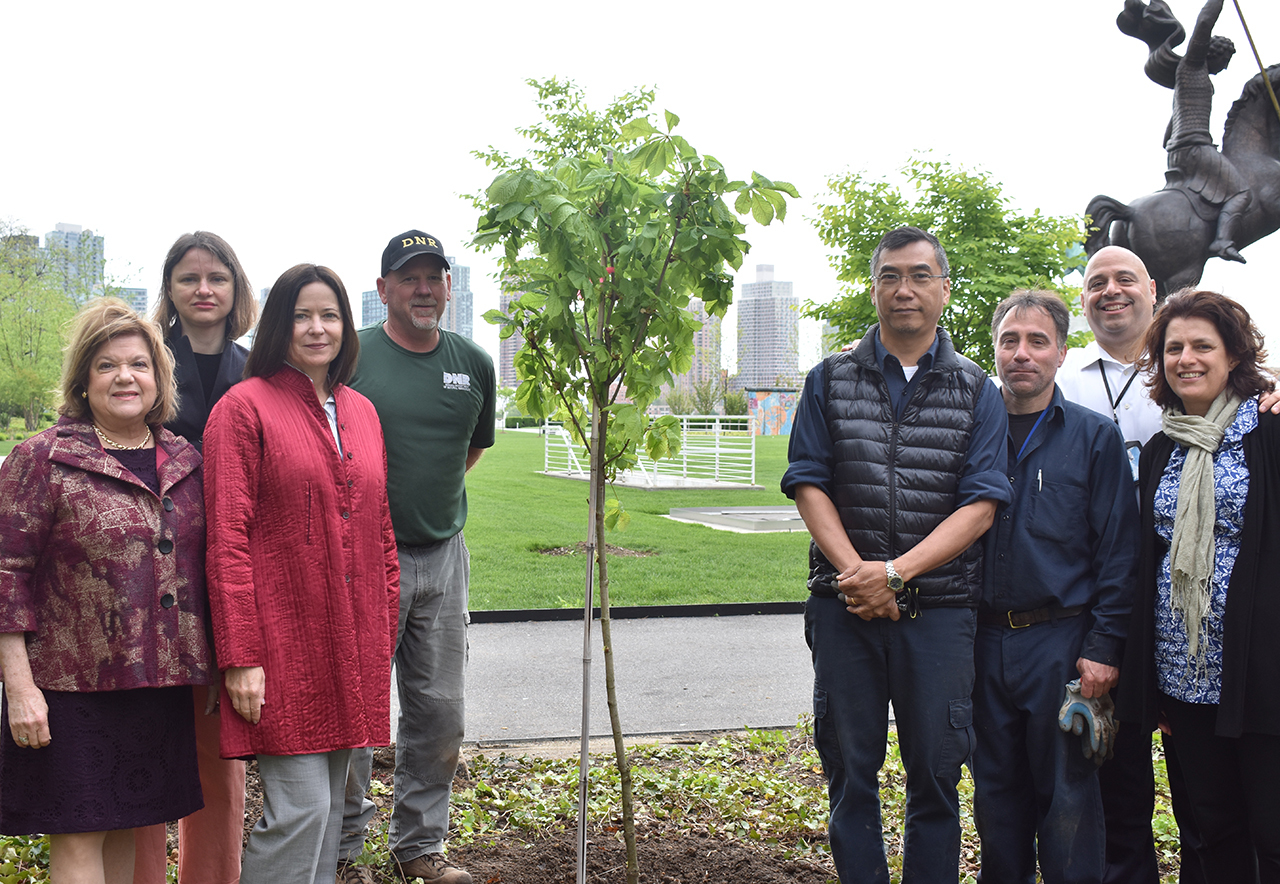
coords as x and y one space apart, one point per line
666 856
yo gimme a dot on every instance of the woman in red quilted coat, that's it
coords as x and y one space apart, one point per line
303 575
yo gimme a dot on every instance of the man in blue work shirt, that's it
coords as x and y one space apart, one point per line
897 466
1055 607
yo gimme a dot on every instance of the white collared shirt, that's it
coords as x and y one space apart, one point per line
1081 381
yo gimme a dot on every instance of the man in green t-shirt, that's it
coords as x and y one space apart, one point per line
434 391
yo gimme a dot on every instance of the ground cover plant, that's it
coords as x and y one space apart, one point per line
514 512
746 807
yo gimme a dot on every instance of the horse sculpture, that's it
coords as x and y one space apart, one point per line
1172 229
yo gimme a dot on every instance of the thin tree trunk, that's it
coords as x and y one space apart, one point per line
584 759
615 722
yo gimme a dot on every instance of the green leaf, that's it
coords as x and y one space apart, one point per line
616 517
640 127
743 202
672 120
761 209
532 300
787 188
778 201
509 211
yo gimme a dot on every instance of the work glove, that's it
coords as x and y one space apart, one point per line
1093 720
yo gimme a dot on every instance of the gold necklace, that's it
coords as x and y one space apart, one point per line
114 444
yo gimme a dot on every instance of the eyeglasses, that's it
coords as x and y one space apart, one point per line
915 280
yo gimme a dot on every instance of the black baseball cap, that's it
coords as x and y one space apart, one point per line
408 245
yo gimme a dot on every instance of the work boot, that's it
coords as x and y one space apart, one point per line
350 873
432 869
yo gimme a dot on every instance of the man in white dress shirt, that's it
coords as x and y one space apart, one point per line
1119 299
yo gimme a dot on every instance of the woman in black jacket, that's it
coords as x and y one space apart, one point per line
1201 659
205 303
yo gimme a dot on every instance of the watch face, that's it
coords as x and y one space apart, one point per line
895 583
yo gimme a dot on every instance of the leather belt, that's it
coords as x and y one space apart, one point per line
1019 619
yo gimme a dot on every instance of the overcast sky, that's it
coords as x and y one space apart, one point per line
315 132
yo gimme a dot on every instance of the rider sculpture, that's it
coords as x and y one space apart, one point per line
1214 202
1195 162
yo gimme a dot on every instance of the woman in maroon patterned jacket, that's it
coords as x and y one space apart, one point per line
102 606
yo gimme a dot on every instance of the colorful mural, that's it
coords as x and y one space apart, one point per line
772 411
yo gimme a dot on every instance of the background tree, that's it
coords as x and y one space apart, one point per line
992 248
34 309
735 402
680 401
609 227
707 395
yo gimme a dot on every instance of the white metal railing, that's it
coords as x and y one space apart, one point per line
715 448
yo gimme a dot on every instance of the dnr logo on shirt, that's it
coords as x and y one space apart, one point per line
457 381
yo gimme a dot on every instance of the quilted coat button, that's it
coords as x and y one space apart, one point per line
166 600
168 504
165 546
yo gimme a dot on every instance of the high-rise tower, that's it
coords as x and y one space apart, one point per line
768 333
76 258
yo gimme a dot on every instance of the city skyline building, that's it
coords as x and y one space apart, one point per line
706 350
136 299
507 348
768 334
77 259
459 317
372 310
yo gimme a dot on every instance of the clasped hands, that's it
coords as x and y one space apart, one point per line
864 588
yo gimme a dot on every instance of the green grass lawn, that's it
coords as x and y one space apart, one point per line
514 511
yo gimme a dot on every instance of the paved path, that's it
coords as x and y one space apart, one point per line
674 674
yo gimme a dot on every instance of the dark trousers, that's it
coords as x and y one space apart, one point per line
1189 869
1233 785
1128 802
924 666
1034 791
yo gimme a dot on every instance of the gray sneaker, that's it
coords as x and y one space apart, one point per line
432 869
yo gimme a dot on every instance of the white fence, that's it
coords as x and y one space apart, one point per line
715 449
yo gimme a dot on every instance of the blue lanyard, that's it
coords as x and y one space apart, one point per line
1032 433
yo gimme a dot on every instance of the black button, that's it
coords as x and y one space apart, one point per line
166 600
168 504
346 515
348 455
350 483
347 578
165 546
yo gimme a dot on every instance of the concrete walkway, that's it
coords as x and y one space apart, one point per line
678 674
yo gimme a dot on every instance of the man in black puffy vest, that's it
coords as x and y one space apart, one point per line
897 467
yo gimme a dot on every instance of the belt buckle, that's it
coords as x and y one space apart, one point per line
1009 616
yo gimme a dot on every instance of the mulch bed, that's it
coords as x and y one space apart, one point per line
668 860
666 856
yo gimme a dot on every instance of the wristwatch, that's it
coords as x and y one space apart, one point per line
895 579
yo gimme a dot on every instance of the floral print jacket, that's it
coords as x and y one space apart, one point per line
105 577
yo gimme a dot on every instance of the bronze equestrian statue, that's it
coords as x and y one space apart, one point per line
1213 203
